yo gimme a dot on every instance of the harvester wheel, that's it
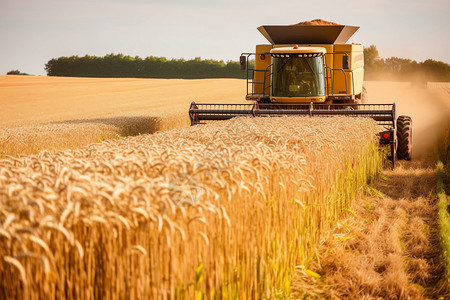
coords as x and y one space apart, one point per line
404 137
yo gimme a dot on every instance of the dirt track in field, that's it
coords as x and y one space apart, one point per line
389 248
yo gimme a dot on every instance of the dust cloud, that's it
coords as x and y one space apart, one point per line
428 106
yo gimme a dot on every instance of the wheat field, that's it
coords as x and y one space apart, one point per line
226 210
223 211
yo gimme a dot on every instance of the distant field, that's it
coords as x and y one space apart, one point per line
29 100
59 112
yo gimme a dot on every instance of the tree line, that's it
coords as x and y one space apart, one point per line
119 65
401 69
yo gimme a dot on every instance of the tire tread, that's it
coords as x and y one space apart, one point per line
404 124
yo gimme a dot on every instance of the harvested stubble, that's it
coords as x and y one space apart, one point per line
224 210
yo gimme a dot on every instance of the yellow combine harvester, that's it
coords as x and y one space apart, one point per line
310 70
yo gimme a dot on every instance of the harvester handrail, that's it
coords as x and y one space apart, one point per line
269 68
252 71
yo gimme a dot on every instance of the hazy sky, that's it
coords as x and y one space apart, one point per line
34 31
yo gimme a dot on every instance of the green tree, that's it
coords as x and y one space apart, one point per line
435 70
371 56
16 72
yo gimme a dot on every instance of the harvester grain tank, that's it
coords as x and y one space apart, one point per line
310 70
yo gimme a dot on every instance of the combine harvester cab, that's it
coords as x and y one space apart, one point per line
309 70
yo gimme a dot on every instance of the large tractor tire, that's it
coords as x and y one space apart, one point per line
404 137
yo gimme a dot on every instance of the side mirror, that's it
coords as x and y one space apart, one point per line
345 61
243 62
